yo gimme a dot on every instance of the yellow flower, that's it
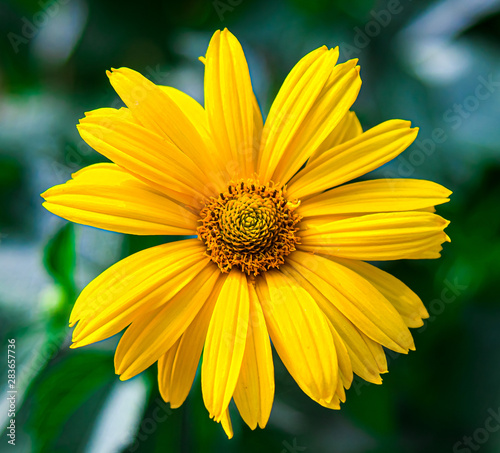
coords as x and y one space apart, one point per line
281 240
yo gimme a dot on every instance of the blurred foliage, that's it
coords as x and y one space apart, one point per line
60 259
88 376
52 69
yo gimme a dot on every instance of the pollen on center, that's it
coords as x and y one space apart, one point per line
250 226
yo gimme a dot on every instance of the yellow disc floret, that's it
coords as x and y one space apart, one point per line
251 226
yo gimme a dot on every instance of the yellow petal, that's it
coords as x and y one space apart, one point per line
225 344
198 116
154 333
292 104
348 128
229 103
165 366
177 367
191 108
254 391
139 283
380 195
378 354
344 361
105 196
366 360
353 158
429 209
226 424
123 112
404 300
300 333
357 299
386 236
145 154
158 112
330 106
360 354
258 125
334 403
257 116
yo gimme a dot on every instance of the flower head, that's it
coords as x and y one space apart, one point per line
251 227
280 240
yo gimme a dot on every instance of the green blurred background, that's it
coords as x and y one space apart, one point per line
436 63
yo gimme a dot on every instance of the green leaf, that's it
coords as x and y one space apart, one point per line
59 257
66 398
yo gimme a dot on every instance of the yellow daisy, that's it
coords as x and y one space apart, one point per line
279 241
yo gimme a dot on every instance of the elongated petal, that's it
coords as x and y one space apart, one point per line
198 116
177 367
345 368
367 356
348 128
257 118
380 195
191 108
334 403
105 112
378 353
165 368
404 300
360 354
226 424
157 111
330 106
154 333
254 392
353 158
258 125
229 102
300 333
137 284
357 299
225 344
105 196
387 236
295 99
145 154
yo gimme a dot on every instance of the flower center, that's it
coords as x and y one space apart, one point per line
250 226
